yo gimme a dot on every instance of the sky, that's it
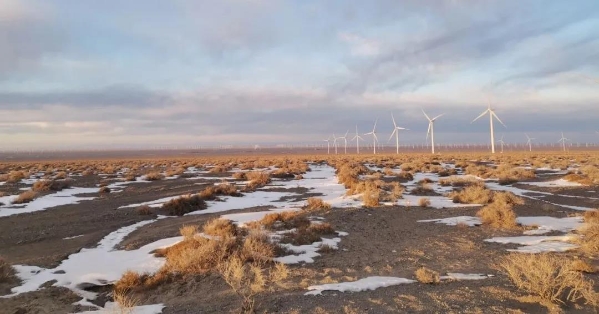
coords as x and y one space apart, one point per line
147 73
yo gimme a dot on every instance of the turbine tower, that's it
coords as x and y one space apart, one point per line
431 129
335 143
563 141
502 143
396 130
357 137
492 115
328 140
344 138
529 142
374 138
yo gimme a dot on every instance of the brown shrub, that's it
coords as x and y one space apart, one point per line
129 281
257 248
551 277
284 220
592 216
371 195
308 235
104 190
583 266
428 276
188 231
15 176
424 202
154 176
507 198
220 228
589 240
184 204
6 271
239 176
51 185
198 255
144 210
472 195
498 215
314 203
25 197
460 182
60 175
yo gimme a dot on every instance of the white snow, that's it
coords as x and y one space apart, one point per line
98 266
537 244
369 283
64 197
554 183
112 308
305 253
69 238
547 224
453 221
460 276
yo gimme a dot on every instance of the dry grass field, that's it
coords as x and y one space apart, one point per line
417 233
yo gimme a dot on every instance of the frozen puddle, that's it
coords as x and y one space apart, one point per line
454 221
365 284
547 224
99 266
537 244
64 197
112 308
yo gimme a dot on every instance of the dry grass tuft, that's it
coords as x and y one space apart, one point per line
6 271
25 197
428 276
589 240
144 210
314 203
474 194
591 216
308 235
583 266
184 204
498 215
220 228
125 304
188 232
553 278
257 247
154 176
104 190
424 202
51 185
128 282
284 220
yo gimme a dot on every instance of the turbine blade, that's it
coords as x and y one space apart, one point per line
429 119
481 115
375 122
437 117
428 133
392 117
390 137
496 117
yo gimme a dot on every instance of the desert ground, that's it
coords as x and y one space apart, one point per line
300 233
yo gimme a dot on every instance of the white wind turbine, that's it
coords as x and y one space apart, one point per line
492 114
563 141
357 137
431 129
328 140
374 137
396 130
502 143
344 138
335 143
529 142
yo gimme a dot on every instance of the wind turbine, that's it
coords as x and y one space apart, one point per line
396 130
529 142
357 137
374 138
492 114
431 129
502 143
328 140
563 141
344 138
335 143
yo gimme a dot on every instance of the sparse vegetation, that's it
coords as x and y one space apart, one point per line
25 197
424 202
553 278
184 204
153 176
314 203
144 210
6 271
474 194
427 276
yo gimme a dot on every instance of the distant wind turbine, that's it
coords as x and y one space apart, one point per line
328 140
374 138
502 143
431 129
529 142
335 143
396 130
492 114
563 141
357 137
344 138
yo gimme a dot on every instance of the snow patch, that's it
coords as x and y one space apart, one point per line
365 284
